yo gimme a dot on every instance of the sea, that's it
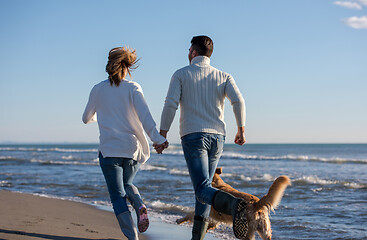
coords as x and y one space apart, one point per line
327 198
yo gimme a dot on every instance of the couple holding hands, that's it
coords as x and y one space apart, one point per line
123 116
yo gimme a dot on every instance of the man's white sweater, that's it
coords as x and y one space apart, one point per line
200 90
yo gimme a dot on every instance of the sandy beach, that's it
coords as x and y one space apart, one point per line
26 216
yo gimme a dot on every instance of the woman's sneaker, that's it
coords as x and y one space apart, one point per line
143 221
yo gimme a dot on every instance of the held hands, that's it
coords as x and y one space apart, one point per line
160 147
240 138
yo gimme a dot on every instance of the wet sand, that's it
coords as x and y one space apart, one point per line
26 216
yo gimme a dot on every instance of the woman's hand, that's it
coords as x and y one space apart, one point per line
160 147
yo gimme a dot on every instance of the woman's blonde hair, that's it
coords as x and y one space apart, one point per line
120 59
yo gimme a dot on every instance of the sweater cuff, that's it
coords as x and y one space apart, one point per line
159 139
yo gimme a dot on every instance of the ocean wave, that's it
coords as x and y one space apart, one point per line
102 203
314 180
69 157
5 183
30 149
148 167
179 172
73 199
172 152
169 207
292 157
94 150
78 158
354 185
266 177
7 158
12 160
306 180
263 178
52 162
231 155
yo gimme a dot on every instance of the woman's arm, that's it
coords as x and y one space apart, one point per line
89 114
145 117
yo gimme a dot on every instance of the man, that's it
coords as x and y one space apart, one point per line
200 90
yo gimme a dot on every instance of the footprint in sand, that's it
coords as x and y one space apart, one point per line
82 225
33 221
77 224
28 223
91 231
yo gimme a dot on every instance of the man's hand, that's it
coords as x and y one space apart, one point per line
240 138
163 133
160 147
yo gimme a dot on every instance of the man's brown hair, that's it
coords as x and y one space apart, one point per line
203 45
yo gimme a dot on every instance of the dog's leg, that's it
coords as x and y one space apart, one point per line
184 219
212 225
250 235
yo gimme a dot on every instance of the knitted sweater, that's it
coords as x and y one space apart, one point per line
200 90
123 115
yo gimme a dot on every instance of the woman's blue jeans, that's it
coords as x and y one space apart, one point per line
119 174
202 152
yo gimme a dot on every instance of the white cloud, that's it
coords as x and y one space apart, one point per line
363 2
356 22
352 5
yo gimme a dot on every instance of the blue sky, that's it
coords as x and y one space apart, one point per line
301 65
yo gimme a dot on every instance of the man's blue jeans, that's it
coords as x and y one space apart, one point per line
202 152
119 174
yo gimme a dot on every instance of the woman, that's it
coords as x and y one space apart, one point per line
123 115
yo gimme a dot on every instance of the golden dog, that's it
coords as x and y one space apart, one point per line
257 209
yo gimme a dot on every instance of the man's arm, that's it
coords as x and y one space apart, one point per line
239 109
171 104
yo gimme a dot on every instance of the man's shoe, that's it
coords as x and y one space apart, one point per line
199 228
226 203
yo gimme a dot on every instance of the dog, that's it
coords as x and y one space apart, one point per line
257 209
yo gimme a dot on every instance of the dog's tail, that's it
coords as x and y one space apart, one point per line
271 200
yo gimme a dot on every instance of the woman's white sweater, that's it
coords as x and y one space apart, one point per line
123 115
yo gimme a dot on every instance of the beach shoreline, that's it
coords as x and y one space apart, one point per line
27 216
318 205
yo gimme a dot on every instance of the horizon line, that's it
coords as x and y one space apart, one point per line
96 143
